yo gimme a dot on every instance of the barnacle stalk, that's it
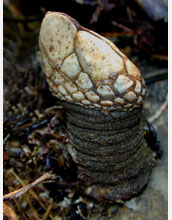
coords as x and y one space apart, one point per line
102 92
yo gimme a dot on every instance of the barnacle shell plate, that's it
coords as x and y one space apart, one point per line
86 69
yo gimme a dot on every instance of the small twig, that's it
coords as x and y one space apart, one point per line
160 56
156 78
24 189
55 107
123 27
39 124
117 34
106 5
156 75
33 210
159 112
21 20
102 5
6 138
9 213
19 208
47 211
156 72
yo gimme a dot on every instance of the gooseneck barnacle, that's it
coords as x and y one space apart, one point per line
102 92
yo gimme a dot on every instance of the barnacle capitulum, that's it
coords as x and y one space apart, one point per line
102 92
